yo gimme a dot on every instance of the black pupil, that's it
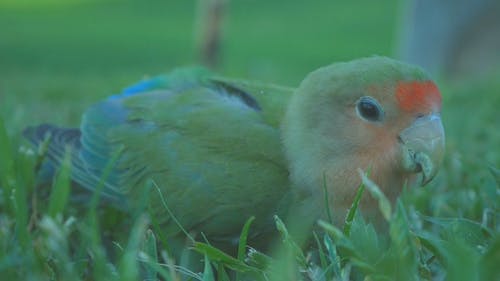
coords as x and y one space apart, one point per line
369 110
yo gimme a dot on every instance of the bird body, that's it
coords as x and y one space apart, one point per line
221 150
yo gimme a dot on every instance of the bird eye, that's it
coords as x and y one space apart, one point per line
369 109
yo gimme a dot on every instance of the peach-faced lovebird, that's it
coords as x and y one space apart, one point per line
220 151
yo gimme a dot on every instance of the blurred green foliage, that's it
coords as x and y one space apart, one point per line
70 55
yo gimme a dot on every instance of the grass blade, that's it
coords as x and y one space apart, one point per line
322 257
289 243
129 266
352 211
208 273
242 244
258 260
7 173
333 256
151 252
383 203
61 187
243 239
327 201
219 256
403 246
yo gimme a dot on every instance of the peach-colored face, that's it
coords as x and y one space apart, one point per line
418 97
380 142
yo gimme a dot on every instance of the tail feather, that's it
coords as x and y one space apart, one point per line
59 137
59 140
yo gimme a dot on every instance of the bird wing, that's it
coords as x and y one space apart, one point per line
211 145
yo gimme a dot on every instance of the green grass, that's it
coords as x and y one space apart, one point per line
57 59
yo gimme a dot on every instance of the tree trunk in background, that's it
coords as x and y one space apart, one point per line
453 38
211 13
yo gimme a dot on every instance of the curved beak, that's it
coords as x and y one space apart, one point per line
423 146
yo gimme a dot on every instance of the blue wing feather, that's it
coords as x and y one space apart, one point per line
177 80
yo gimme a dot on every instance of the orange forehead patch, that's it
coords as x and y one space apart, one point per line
418 96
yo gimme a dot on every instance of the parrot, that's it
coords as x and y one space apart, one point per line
208 152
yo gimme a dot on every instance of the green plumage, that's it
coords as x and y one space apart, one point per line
212 145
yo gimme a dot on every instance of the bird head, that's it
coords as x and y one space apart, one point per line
374 114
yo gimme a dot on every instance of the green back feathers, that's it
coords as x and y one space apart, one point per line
270 99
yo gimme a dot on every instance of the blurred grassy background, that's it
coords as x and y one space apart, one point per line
68 54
